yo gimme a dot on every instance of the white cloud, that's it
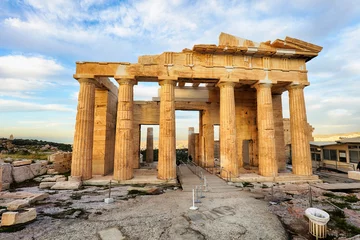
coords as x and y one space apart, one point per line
144 92
21 66
21 106
21 76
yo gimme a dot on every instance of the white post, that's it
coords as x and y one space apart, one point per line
193 206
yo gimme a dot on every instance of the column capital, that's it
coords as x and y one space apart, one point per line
167 80
223 81
88 80
126 81
297 85
129 80
84 78
225 84
263 84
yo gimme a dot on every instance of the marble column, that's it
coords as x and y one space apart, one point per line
81 165
201 141
266 131
228 151
167 144
279 132
300 146
196 148
136 142
150 145
208 133
191 142
124 152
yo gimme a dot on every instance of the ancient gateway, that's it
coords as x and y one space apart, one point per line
241 86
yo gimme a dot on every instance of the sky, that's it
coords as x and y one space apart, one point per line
40 41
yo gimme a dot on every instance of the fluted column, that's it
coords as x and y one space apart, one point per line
191 142
208 133
167 145
124 152
196 148
279 132
266 131
81 165
228 151
300 146
150 145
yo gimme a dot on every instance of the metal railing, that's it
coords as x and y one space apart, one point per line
228 174
341 166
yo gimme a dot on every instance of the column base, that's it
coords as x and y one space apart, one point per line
281 178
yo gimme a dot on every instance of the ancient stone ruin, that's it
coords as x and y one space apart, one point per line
237 85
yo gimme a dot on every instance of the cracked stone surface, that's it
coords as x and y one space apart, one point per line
82 214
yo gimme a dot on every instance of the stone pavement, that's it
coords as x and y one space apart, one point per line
215 184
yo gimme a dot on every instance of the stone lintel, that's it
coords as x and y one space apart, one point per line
170 78
297 85
264 82
128 77
100 82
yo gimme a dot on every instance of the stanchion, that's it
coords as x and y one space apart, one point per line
193 207
197 199
201 192
205 185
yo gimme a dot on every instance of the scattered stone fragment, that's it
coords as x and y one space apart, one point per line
37 197
38 179
46 185
13 218
6 173
17 204
145 190
38 168
111 234
66 185
5 186
61 179
53 178
52 172
22 173
21 163
109 200
74 179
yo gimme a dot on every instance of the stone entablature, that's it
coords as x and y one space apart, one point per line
240 59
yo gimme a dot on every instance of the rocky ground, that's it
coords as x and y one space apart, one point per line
84 215
256 211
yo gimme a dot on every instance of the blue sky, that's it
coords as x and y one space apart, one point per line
40 41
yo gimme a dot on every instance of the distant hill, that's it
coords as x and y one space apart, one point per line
334 137
31 145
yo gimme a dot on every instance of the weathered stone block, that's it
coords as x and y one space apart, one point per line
38 168
52 171
354 175
61 179
45 185
68 185
21 163
111 234
13 218
37 197
22 173
17 204
6 173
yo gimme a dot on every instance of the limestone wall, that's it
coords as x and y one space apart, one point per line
20 170
60 162
104 132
